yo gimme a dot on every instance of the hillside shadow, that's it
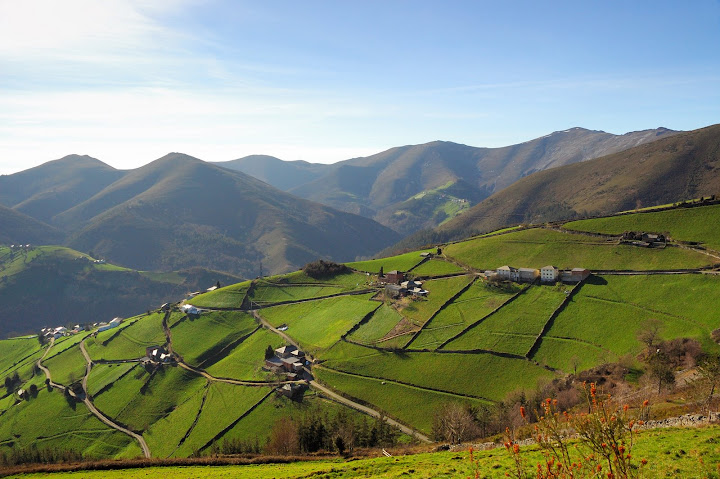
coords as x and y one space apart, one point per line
596 280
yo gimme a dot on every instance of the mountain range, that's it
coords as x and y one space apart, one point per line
421 186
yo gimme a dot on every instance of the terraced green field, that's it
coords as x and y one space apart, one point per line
317 325
219 330
535 248
606 315
245 360
440 292
475 303
14 352
228 297
410 405
436 267
514 327
67 366
381 323
493 377
697 224
130 342
401 262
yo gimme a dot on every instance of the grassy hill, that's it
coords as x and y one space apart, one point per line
55 286
178 212
685 165
471 341
53 187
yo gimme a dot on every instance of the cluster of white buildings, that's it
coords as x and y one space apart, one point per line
60 331
546 274
114 323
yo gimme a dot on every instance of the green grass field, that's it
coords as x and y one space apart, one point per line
535 248
667 452
436 267
103 376
381 323
50 421
495 376
440 291
401 262
684 224
218 330
607 313
514 327
66 367
472 305
228 297
132 340
409 405
224 404
316 325
15 351
246 360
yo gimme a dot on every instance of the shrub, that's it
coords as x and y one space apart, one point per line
324 269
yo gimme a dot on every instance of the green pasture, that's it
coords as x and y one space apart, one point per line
348 281
609 312
131 341
16 351
224 404
267 293
402 262
380 324
570 355
700 224
316 325
514 327
105 375
52 421
440 291
478 301
141 398
535 248
164 435
228 297
484 376
437 267
245 361
66 367
672 452
203 340
410 405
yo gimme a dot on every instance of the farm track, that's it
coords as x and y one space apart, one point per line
369 411
100 415
46 371
336 397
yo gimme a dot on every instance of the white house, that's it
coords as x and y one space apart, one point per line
112 324
549 274
190 309
528 275
508 273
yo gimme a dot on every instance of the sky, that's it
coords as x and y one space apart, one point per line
128 81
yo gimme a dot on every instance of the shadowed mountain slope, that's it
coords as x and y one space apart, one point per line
55 186
421 186
179 211
20 228
683 166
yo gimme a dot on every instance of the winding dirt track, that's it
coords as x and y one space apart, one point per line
100 415
338 398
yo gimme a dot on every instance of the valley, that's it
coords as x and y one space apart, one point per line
372 354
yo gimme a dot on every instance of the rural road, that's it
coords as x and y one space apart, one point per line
101 416
368 411
46 371
339 398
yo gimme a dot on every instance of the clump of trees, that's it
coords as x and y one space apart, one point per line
34 455
324 269
339 433
12 383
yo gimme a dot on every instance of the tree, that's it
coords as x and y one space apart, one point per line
650 333
269 352
283 438
708 377
381 272
217 285
453 423
340 445
661 370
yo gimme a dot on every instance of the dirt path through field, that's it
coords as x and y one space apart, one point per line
100 415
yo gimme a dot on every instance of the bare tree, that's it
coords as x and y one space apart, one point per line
454 423
283 438
650 333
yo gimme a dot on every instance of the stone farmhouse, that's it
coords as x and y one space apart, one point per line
287 358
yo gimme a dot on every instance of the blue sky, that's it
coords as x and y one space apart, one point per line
129 81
